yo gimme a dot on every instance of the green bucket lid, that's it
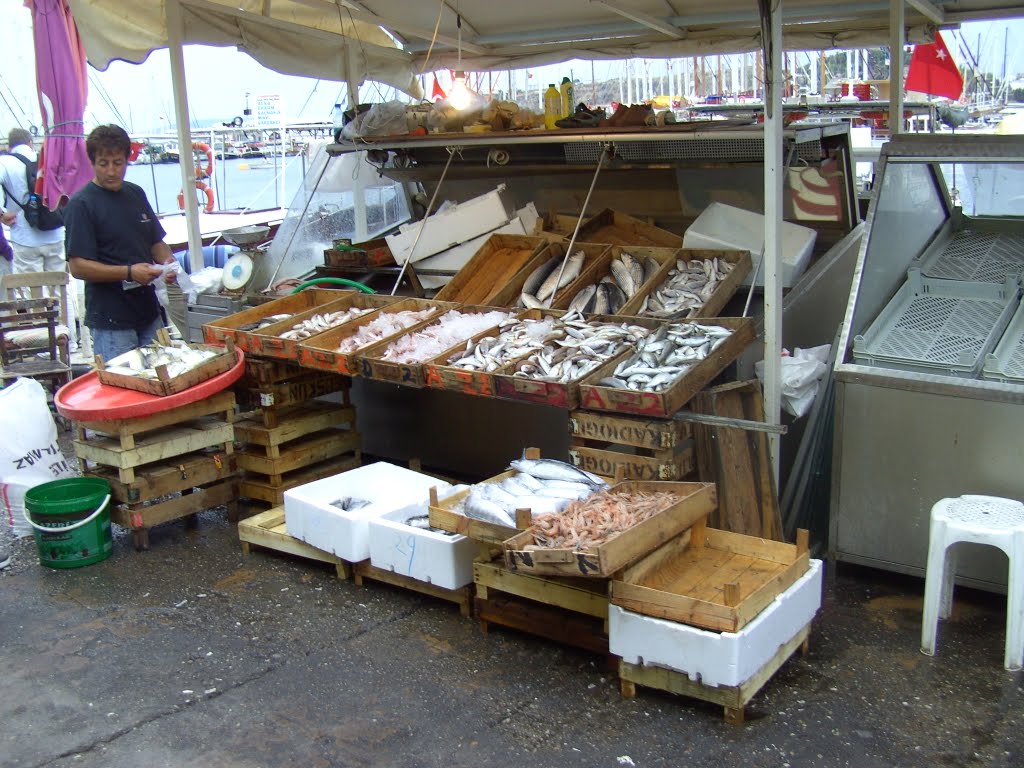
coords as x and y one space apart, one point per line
63 497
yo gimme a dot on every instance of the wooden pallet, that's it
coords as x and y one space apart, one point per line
274 399
130 444
298 454
570 611
140 517
733 699
268 530
631 448
463 597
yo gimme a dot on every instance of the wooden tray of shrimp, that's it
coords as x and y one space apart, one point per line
610 530
710 578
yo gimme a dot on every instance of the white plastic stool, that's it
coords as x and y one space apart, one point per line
981 520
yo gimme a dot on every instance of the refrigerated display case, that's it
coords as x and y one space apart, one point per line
930 370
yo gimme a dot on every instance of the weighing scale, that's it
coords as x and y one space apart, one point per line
238 269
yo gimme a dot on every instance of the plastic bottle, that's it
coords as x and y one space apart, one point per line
568 95
552 106
337 122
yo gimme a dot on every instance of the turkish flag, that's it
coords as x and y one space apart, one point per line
933 71
437 93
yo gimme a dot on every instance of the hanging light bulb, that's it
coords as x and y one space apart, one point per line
460 96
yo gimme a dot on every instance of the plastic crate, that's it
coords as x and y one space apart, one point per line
987 257
1007 362
938 326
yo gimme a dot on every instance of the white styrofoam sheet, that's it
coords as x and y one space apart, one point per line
725 226
716 658
452 226
444 561
312 518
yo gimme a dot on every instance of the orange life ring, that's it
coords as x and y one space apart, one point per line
201 172
209 197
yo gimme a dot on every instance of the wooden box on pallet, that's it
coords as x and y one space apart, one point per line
224 358
714 304
695 501
240 325
711 578
631 448
615 228
486 274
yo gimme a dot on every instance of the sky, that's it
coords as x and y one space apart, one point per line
139 96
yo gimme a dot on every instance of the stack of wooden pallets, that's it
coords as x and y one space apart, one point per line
165 466
291 438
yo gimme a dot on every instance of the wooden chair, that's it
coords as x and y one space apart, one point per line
34 332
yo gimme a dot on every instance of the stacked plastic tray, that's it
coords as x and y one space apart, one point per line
939 326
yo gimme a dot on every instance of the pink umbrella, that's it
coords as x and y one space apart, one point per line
61 80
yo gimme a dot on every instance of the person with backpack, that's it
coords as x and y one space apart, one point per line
37 234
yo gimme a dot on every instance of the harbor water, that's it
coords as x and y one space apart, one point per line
238 183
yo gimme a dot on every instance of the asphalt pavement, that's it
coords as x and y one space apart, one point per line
193 654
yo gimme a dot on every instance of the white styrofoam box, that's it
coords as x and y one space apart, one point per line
444 561
452 226
716 658
310 516
725 226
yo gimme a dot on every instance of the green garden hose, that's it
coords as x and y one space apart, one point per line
335 281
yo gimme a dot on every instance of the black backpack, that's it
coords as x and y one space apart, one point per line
37 214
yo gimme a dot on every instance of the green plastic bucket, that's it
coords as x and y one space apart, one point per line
71 521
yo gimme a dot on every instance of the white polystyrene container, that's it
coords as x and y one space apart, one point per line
444 561
452 226
311 517
725 226
716 658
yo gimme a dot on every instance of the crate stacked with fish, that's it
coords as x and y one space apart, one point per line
289 436
165 366
242 327
567 610
400 359
338 349
166 466
713 615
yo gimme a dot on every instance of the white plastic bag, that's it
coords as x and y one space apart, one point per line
207 280
801 373
387 119
29 454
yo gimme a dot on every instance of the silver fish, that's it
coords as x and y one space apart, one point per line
573 265
552 469
484 509
539 275
623 276
583 299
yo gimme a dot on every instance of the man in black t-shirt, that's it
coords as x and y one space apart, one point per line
114 242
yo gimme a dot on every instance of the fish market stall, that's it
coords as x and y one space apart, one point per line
929 381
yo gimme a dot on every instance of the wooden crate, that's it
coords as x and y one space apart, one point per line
603 268
164 384
463 596
260 371
142 516
596 257
307 450
629 448
269 531
555 393
270 489
443 516
716 302
437 374
268 341
128 444
710 578
230 327
373 253
273 399
173 476
616 228
595 396
321 352
568 611
373 366
293 422
497 262
696 501
733 699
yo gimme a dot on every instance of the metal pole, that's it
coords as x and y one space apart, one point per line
773 212
896 32
175 32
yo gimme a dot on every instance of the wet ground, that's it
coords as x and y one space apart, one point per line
193 654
